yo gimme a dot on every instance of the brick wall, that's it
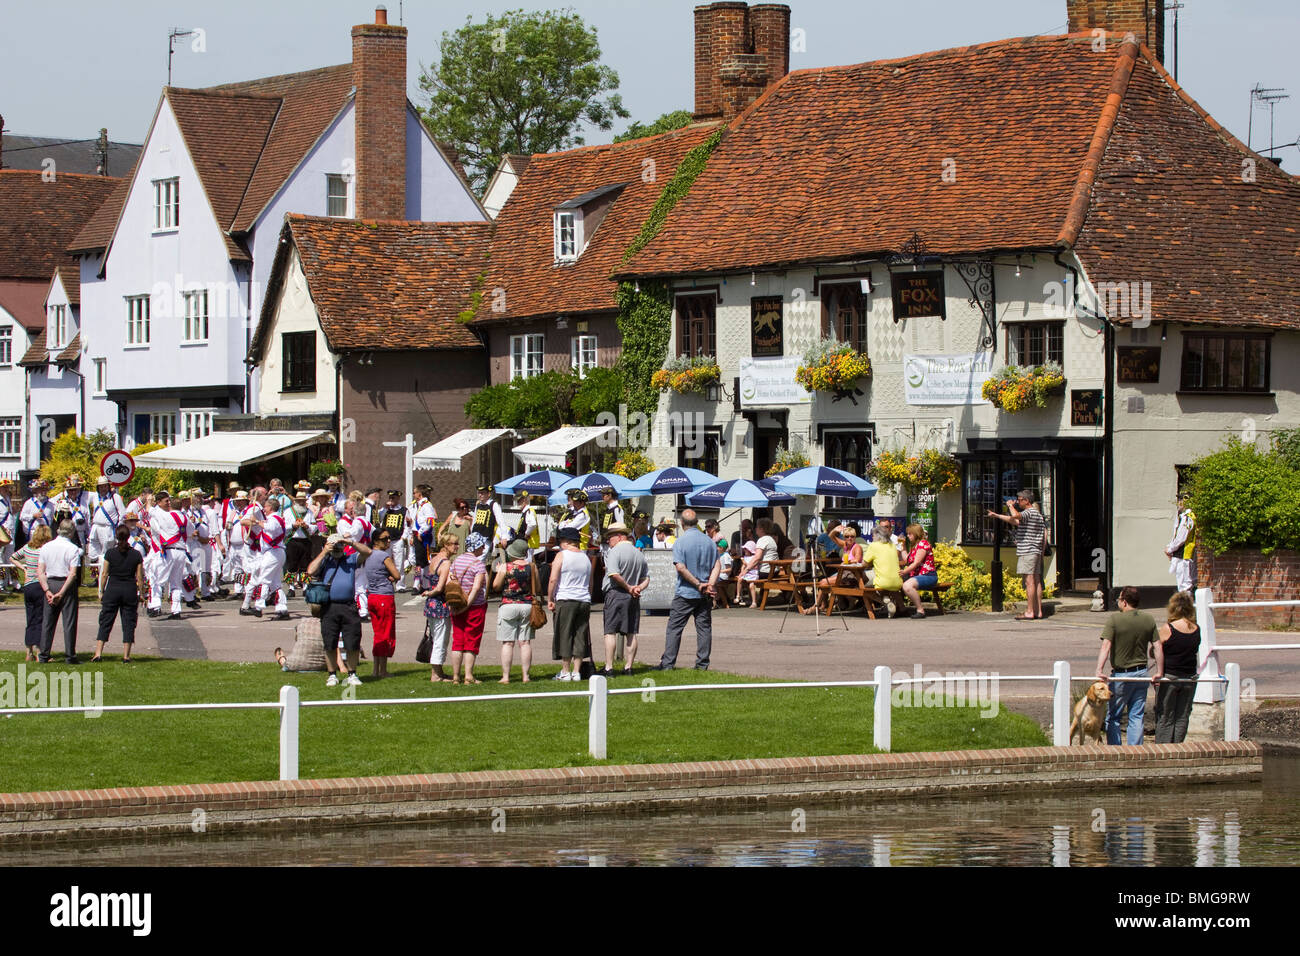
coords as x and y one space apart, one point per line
379 74
739 52
1145 19
1251 576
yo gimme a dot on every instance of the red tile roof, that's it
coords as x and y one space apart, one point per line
72 354
24 299
40 218
383 285
523 251
37 354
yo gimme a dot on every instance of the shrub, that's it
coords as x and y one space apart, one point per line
155 478
74 453
785 459
972 585
1245 498
318 471
628 462
544 402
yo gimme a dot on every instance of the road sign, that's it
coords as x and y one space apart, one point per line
117 466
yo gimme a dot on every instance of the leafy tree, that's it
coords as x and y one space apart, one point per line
518 83
664 124
154 478
75 453
545 402
1245 498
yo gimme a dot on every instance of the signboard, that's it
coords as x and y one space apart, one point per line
917 294
1139 364
766 338
946 379
1085 406
923 509
117 466
658 595
770 381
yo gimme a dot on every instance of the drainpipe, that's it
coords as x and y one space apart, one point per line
995 568
248 343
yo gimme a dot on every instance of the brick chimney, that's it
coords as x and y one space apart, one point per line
739 52
379 74
1145 19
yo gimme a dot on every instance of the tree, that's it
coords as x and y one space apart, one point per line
664 124
518 83
74 453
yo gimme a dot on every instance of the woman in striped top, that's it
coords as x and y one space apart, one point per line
33 594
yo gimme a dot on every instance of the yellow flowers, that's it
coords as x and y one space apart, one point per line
632 464
832 367
1013 389
931 471
687 375
785 459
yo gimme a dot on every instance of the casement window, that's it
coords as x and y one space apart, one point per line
700 449
195 328
101 376
568 234
697 325
526 355
980 494
582 353
1033 343
298 361
1225 362
137 320
56 336
162 428
11 437
6 344
196 424
844 314
336 196
166 203
849 451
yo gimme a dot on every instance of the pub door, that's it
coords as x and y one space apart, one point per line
1080 527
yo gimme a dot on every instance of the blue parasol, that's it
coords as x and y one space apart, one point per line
593 484
738 493
821 480
542 482
670 481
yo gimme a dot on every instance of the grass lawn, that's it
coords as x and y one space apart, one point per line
55 752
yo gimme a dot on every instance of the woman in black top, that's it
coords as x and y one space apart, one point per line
1179 639
121 579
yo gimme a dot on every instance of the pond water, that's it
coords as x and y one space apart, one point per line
1246 824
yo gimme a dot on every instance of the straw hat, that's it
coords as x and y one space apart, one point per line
321 493
73 480
304 486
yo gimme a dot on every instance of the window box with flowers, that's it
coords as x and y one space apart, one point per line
686 374
930 472
833 366
1015 388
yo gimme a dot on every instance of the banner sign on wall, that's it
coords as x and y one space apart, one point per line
771 382
946 379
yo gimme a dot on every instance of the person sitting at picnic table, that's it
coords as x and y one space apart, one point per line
882 558
919 574
758 561
845 539
641 531
827 543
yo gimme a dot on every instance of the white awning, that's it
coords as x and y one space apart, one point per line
449 452
227 452
550 450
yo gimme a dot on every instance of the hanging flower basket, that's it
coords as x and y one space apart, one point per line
631 464
832 366
1014 389
785 459
930 472
685 375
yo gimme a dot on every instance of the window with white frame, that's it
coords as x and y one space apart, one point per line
582 353
336 196
196 316
196 424
57 335
568 238
101 375
137 320
526 353
166 203
11 435
162 428
6 344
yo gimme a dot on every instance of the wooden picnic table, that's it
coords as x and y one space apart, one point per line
781 577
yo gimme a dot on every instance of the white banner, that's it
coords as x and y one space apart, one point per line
946 379
770 381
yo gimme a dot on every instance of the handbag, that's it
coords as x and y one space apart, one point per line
453 595
537 616
317 595
424 653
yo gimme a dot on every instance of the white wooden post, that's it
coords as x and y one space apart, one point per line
409 445
288 732
1061 704
884 697
1207 692
597 730
1232 703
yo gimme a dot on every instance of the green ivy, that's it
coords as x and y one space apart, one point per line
688 170
547 401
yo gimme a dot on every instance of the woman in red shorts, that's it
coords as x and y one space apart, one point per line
467 626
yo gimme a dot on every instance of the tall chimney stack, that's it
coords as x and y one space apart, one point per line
1145 19
739 52
379 75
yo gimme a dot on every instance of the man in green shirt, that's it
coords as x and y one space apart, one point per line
1129 638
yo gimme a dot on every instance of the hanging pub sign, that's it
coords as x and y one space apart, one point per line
1085 406
917 294
1141 364
765 327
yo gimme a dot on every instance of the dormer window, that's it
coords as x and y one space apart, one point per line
578 219
57 335
568 225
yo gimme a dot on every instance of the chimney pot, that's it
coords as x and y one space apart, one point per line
739 51
381 15
379 75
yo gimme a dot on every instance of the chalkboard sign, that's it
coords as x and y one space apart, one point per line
1140 364
658 595
1085 406
917 294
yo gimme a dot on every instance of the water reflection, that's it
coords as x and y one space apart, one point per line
1257 824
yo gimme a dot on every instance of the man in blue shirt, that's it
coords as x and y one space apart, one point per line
340 622
698 564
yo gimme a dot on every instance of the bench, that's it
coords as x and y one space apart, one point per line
871 596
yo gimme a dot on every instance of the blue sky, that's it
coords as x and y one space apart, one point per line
70 68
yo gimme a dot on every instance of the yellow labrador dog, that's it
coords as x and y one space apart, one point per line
1090 713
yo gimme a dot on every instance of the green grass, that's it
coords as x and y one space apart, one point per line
52 752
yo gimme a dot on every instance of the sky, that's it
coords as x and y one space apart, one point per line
68 69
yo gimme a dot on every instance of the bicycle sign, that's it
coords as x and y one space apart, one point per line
117 466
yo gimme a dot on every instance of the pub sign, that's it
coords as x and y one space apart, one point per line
917 294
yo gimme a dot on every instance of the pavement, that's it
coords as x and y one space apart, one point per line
754 643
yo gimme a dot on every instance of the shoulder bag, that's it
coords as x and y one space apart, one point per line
536 617
317 594
453 594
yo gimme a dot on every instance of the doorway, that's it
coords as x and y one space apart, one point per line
1079 523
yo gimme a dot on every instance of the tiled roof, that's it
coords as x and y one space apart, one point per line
24 299
37 354
72 354
1170 207
523 250
71 276
69 155
850 161
383 285
98 230
40 219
